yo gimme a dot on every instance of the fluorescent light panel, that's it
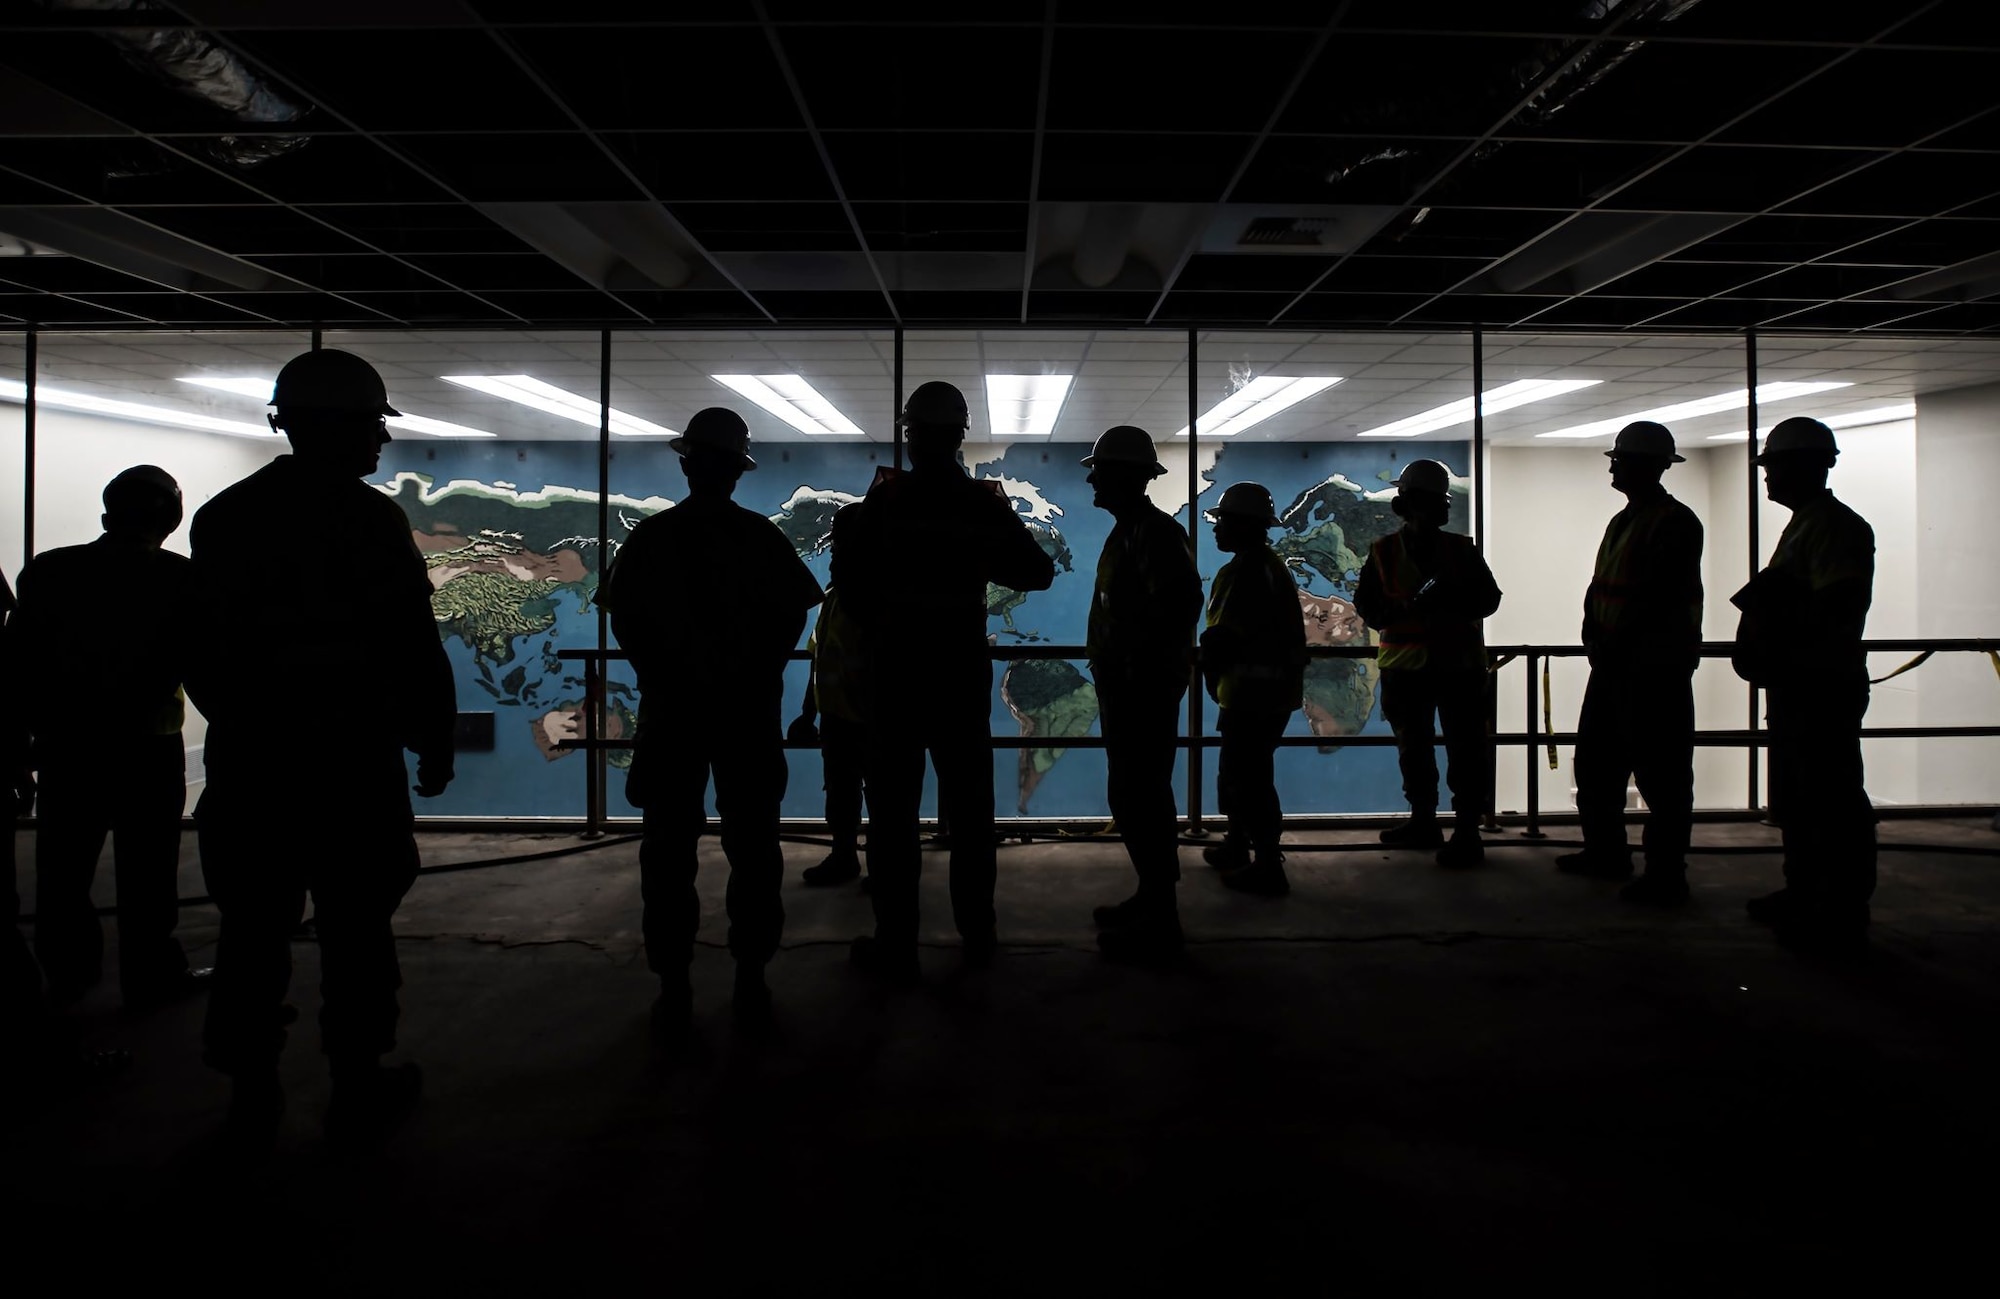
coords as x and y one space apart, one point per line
1025 405
261 389
1256 401
1766 394
546 397
792 400
1855 419
15 390
1506 397
241 385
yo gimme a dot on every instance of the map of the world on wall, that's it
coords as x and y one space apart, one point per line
509 533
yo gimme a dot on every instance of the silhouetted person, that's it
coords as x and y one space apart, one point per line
1800 640
709 599
1425 590
831 714
1642 631
914 572
97 638
311 796
1142 618
1253 659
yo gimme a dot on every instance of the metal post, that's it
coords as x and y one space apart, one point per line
1195 687
1533 729
1478 439
1750 499
315 338
28 450
596 770
896 408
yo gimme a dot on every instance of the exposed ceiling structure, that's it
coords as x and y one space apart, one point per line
1642 166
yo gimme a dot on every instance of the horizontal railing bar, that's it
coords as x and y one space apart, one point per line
1707 649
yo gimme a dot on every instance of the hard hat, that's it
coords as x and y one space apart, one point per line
1433 476
936 402
331 379
716 428
1645 438
1125 445
1799 433
139 487
1250 501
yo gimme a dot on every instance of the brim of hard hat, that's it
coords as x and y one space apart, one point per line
386 410
1672 457
1155 469
681 446
1766 457
1216 516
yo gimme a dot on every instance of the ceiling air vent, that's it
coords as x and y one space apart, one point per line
1285 232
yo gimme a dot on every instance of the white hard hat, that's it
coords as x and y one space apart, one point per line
1250 501
1433 476
1799 433
1125 445
1645 438
716 428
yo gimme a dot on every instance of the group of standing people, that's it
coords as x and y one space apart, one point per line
709 599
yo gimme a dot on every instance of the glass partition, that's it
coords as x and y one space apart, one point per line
13 450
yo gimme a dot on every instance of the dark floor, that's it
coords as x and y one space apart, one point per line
1396 1077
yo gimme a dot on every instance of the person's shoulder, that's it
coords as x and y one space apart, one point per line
1163 527
1849 521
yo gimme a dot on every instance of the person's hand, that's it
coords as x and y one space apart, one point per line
434 774
21 791
802 730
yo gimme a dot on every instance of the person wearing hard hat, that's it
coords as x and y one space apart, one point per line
1425 591
1253 662
709 599
96 634
1800 639
314 800
1642 632
830 715
925 545
1141 649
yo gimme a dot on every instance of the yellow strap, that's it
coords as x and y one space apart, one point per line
1548 714
1995 656
1495 665
1917 662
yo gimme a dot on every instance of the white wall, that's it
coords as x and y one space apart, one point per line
1958 590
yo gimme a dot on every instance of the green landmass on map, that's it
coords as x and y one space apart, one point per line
1048 697
1002 601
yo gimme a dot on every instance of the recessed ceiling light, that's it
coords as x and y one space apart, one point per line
15 390
241 385
1722 401
261 389
1856 419
1506 397
1025 405
792 400
1255 402
530 391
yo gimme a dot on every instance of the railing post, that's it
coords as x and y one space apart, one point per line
1534 830
594 772
1195 687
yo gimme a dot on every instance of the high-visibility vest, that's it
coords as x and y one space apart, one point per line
1254 597
1632 532
836 661
1415 642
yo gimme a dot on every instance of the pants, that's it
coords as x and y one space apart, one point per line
1456 699
1246 776
263 850
746 757
1817 777
1637 723
954 728
23 1019
1140 728
842 755
132 791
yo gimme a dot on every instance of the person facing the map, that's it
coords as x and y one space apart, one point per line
831 714
1642 631
914 573
1426 590
1141 648
95 633
709 600
1800 639
333 769
1253 661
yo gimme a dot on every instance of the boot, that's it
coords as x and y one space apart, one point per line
673 1014
1596 865
838 867
1770 909
1265 877
1229 855
1420 831
750 1005
1148 937
1464 849
1115 914
897 966
1657 888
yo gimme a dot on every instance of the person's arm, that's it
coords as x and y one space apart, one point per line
433 734
1482 594
1015 559
14 760
1370 600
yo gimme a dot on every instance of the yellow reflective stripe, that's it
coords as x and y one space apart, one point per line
1548 713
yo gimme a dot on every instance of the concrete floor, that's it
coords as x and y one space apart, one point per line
1396 1076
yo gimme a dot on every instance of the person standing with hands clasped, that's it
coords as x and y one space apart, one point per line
1426 590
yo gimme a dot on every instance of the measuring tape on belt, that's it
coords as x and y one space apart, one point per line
1548 713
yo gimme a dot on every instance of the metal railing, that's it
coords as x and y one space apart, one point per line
1531 739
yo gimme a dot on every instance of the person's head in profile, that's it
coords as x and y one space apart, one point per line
1121 464
334 408
142 506
934 421
714 451
1243 518
1423 495
1640 456
1797 457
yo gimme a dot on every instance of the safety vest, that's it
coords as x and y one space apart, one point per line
1632 533
836 661
1255 598
1417 642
